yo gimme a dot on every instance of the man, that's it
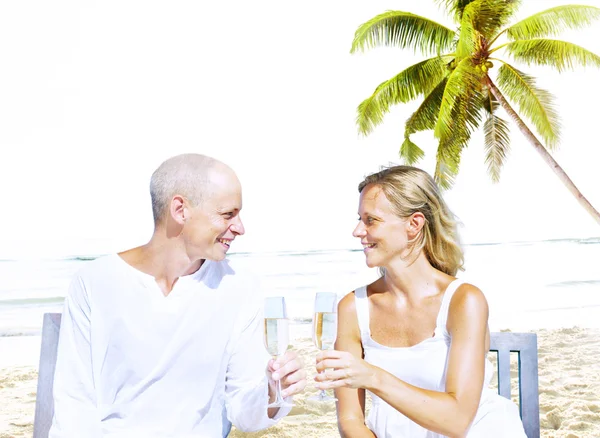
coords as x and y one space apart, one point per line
165 340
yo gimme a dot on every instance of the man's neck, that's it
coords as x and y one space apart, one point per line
165 260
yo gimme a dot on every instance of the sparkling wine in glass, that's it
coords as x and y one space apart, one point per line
276 338
324 329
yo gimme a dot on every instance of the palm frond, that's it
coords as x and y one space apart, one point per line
488 16
422 119
407 85
534 103
496 144
466 116
425 117
553 21
410 152
459 115
467 37
558 54
490 104
403 30
462 87
502 8
455 7
448 160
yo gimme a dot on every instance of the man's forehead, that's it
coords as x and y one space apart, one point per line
219 180
224 198
221 174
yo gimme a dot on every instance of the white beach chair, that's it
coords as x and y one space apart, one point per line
525 345
44 405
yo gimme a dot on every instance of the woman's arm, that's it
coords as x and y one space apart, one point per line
449 413
351 401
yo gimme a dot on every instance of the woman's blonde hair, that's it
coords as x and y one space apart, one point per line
412 190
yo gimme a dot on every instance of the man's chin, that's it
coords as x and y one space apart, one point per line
219 256
215 256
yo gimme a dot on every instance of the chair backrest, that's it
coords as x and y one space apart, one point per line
44 404
525 344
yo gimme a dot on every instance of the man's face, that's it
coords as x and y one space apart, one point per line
212 226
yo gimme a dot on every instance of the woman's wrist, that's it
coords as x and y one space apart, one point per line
374 380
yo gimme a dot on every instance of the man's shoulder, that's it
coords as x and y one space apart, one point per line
93 275
235 270
235 280
99 265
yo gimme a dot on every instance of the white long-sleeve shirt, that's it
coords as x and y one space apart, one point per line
134 363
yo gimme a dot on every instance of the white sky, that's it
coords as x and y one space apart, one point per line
94 95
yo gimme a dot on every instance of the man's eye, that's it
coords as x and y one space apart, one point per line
228 215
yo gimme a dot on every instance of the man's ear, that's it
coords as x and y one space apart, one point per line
415 224
178 209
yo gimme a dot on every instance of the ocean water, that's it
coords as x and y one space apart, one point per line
528 285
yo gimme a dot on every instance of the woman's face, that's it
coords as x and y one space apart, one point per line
383 234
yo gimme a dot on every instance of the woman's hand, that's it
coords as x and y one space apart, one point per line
343 370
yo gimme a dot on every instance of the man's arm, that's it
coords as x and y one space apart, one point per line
75 413
247 388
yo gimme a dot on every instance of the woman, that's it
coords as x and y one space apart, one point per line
417 337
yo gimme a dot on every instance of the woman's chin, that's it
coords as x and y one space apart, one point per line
371 262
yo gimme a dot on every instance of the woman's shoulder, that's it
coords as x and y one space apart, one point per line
348 319
466 300
348 302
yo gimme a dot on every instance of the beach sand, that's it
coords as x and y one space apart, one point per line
569 380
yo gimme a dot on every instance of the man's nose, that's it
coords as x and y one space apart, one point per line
238 226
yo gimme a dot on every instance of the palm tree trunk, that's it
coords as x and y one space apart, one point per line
562 175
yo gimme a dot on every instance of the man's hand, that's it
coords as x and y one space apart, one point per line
290 370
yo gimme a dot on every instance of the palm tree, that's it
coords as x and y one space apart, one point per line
456 85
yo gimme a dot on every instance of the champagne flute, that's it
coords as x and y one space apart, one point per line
324 330
276 338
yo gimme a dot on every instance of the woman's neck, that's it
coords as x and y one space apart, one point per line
413 279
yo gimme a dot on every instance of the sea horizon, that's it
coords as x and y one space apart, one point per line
93 256
528 284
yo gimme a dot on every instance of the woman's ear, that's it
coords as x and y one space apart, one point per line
415 224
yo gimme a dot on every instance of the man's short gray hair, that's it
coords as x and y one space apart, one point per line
187 175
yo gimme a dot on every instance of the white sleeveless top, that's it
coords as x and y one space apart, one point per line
424 365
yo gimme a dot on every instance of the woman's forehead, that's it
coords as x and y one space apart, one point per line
372 193
373 198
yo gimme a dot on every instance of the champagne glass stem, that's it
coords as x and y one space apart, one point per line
278 396
322 394
279 400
